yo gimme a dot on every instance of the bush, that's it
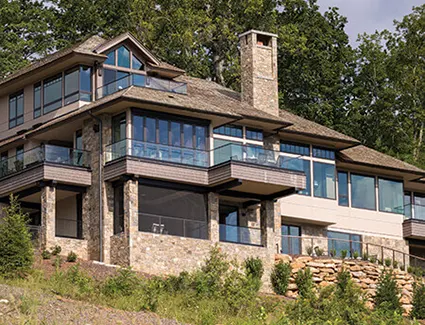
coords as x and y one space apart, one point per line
254 267
373 259
309 250
72 257
388 262
332 252
356 255
46 255
343 279
56 250
124 283
365 256
280 277
418 301
344 253
318 251
16 250
304 281
387 293
57 262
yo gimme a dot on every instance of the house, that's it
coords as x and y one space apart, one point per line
122 158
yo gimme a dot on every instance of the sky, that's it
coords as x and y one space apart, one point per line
370 15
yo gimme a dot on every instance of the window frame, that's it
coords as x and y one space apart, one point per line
297 144
230 126
40 108
374 191
379 193
288 239
335 180
258 131
131 54
314 148
61 99
15 119
348 188
360 242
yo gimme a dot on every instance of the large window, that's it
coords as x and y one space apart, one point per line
16 109
302 165
323 153
118 209
229 222
363 192
121 57
291 245
338 241
230 130
253 134
52 94
297 149
343 189
390 196
324 180
37 100
172 212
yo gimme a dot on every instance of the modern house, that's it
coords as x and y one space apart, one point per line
122 158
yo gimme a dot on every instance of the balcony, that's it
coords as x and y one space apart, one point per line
262 172
240 235
46 162
141 80
414 223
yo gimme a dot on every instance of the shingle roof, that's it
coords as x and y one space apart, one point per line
307 127
367 156
85 47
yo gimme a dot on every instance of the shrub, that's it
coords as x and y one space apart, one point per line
344 253
395 264
343 279
16 250
57 262
356 255
388 262
124 283
418 301
56 250
332 252
72 257
318 251
46 255
372 259
365 256
280 277
309 250
387 293
304 281
254 267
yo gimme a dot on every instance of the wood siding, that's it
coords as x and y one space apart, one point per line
414 229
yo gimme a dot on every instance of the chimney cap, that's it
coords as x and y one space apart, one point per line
254 31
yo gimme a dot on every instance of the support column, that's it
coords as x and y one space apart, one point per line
108 220
268 219
213 217
131 214
48 216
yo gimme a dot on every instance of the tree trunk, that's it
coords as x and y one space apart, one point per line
418 143
218 69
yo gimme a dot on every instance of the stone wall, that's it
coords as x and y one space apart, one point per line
363 273
400 245
119 252
78 246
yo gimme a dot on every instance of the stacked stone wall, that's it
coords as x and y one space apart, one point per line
365 274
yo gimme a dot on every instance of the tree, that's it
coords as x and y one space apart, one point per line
24 37
387 293
418 301
16 250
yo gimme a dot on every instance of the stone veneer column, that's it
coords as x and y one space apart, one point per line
108 220
213 217
131 214
48 216
267 215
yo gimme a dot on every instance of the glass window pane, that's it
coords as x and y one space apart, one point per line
12 107
118 128
253 134
175 134
363 192
323 153
297 149
324 180
137 64
123 57
109 76
71 87
20 105
188 135
52 94
230 130
85 79
163 131
111 58
37 96
123 80
138 127
343 189
150 129
200 132
419 206
139 80
390 196
408 204
301 165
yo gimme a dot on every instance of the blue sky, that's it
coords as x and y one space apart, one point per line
370 15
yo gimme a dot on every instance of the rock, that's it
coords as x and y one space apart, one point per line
356 268
367 280
316 279
328 270
283 258
297 265
292 286
369 304
359 274
4 301
324 284
405 300
315 264
289 294
304 259
314 270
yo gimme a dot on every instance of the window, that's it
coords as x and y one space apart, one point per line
297 149
229 222
16 109
363 192
419 206
291 245
343 189
71 86
338 241
3 163
114 80
118 209
230 130
407 200
172 212
323 153
52 94
302 165
79 140
111 58
19 158
85 84
118 128
37 100
324 180
390 196
123 56
136 64
253 134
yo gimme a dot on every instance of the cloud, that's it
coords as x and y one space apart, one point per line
367 16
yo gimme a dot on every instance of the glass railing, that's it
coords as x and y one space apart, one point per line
414 211
45 153
141 80
140 149
240 235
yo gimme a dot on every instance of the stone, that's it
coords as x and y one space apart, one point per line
292 286
405 300
304 259
283 258
359 274
315 264
4 301
316 279
314 270
355 268
324 284
297 265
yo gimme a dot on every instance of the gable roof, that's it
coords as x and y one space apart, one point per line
84 47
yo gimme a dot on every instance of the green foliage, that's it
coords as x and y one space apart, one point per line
125 283
365 256
319 251
344 253
387 293
254 267
418 301
356 255
309 250
72 257
46 255
56 250
304 281
388 262
332 252
372 259
416 271
16 251
280 277
57 262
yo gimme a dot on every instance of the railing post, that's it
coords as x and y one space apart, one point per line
367 250
382 255
404 262
312 244
393 258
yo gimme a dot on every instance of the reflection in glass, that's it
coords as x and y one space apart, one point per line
301 165
123 57
343 189
390 196
324 180
291 245
363 192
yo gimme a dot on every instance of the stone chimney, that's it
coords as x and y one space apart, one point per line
259 70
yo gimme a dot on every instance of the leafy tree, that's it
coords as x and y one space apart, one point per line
16 251
387 293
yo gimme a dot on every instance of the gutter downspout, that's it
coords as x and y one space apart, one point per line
100 186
